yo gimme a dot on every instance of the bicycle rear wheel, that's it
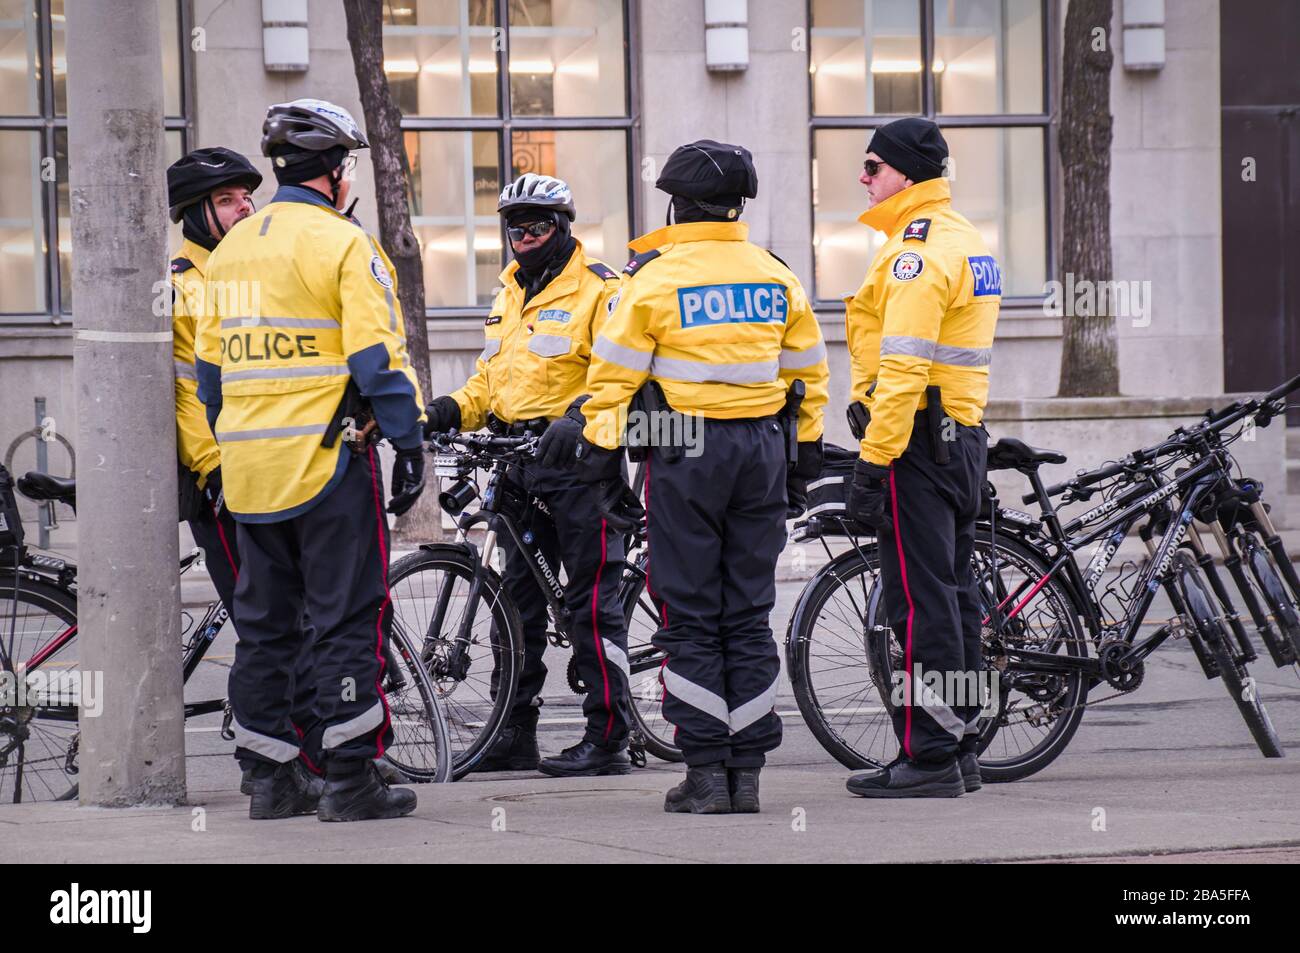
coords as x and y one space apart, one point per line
38 745
645 664
1236 679
421 747
476 681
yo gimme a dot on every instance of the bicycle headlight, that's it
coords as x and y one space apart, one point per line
458 496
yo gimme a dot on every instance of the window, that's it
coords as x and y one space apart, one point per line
35 224
980 69
562 109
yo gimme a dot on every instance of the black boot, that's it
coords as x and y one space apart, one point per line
354 791
314 782
280 791
743 786
969 763
703 792
906 778
584 760
515 749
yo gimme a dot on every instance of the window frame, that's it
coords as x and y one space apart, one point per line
505 123
58 312
1045 120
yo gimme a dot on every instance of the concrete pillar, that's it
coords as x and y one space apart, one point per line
129 599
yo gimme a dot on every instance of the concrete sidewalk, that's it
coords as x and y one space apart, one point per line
1206 803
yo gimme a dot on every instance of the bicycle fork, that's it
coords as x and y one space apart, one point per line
458 657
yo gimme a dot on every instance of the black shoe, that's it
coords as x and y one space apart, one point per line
282 791
515 749
314 781
585 760
969 763
362 796
703 792
908 779
743 785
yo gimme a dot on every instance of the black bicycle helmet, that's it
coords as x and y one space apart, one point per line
531 190
194 177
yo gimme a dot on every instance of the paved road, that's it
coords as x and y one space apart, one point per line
1168 769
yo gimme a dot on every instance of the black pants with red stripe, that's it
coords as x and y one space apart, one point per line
330 563
574 536
214 532
716 530
930 592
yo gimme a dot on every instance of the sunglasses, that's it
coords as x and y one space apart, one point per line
536 229
872 167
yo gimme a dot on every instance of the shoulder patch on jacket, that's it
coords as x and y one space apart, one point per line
777 257
917 230
603 271
181 265
638 261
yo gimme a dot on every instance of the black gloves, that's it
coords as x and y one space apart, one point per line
212 489
443 415
560 440
869 496
618 505
408 478
596 464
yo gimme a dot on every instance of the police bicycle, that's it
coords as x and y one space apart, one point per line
39 736
1053 631
450 601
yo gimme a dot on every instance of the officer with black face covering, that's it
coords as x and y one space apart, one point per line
725 329
531 378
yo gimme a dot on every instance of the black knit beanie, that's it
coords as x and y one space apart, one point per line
913 146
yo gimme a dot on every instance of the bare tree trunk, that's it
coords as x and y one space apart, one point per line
133 748
392 175
1089 359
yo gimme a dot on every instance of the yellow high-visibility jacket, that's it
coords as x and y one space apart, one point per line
195 445
723 326
299 300
534 360
925 315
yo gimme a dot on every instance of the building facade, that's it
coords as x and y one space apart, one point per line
599 92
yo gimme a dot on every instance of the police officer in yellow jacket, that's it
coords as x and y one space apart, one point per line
724 329
208 191
920 335
531 378
301 339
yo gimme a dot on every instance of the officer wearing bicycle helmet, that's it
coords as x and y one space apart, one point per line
920 335
531 377
208 191
725 329
302 341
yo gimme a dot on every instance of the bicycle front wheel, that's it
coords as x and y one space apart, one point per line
38 743
645 665
473 677
421 747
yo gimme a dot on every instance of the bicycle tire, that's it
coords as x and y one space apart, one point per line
1269 582
45 777
1236 679
645 701
473 723
424 705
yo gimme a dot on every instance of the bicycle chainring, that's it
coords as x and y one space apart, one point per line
575 680
1117 668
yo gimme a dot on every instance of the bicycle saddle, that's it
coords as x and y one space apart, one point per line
1008 453
42 486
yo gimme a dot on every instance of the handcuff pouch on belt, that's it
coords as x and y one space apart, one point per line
354 421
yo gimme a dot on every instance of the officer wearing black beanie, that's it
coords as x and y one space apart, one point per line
915 147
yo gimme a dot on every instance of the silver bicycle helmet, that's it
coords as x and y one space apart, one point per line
312 125
531 190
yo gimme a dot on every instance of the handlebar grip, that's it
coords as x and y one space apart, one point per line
1283 389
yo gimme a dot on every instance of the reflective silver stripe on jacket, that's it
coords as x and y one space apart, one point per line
267 433
705 372
184 371
490 349
550 345
264 321
628 357
271 373
792 360
617 656
266 746
336 735
939 353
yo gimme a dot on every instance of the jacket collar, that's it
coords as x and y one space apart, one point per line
563 283
300 193
691 232
901 207
196 254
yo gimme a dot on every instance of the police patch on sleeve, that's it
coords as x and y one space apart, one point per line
613 303
907 266
379 272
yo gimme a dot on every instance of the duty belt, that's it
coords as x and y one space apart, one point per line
534 426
